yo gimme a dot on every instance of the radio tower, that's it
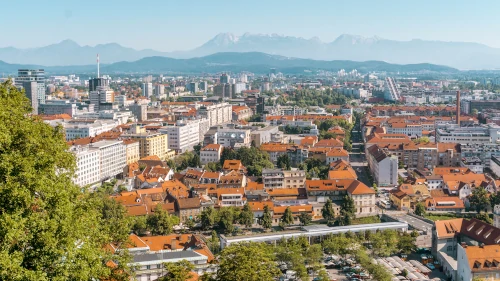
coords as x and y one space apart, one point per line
97 65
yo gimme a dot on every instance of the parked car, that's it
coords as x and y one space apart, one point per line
430 266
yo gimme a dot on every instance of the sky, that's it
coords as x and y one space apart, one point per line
169 25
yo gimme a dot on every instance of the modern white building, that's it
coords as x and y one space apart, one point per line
210 153
411 130
147 89
384 167
119 116
468 135
113 157
88 165
75 129
230 137
183 136
217 114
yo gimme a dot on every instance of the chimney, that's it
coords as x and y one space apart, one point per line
463 245
458 108
173 244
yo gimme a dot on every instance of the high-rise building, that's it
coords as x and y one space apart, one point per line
223 90
243 78
31 91
183 136
101 96
33 75
97 82
203 86
147 89
159 89
140 111
193 87
224 78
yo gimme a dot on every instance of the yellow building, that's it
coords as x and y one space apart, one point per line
132 149
150 143
407 196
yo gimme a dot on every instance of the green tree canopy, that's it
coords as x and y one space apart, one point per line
266 221
420 209
327 211
160 222
347 211
49 229
246 216
177 271
207 218
287 218
247 262
305 218
479 199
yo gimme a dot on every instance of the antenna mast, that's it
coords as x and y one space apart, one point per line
97 65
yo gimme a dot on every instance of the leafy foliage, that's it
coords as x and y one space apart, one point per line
49 229
251 157
420 209
287 218
266 220
347 211
479 199
327 211
177 271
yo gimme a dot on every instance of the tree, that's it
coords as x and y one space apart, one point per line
213 167
246 216
266 221
406 243
247 262
283 162
139 225
484 217
347 211
226 217
305 218
375 187
49 228
323 275
207 218
177 271
287 218
327 211
160 222
189 223
474 112
479 199
495 199
227 154
213 243
420 209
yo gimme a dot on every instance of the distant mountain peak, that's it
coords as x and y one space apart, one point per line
68 43
223 39
356 39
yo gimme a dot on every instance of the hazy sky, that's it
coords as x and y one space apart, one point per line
168 25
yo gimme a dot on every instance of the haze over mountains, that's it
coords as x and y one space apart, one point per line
460 55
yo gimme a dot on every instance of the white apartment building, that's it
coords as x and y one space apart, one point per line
496 216
384 167
75 129
119 116
279 178
210 153
484 151
411 130
217 114
113 157
183 136
232 200
230 137
122 101
88 165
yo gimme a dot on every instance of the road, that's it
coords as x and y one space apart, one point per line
357 156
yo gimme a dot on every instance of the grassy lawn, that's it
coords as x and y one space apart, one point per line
366 220
436 217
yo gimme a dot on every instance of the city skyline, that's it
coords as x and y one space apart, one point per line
184 25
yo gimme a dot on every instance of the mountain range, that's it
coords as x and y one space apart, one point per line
460 55
234 62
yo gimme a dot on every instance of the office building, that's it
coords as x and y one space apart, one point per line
113 158
223 90
265 135
31 92
469 135
203 86
55 107
238 88
183 136
193 87
147 89
76 129
88 165
33 75
100 97
159 89
480 105
224 78
140 111
97 82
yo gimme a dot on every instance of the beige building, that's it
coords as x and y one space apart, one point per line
279 178
132 150
150 143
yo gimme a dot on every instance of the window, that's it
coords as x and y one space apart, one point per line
449 248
